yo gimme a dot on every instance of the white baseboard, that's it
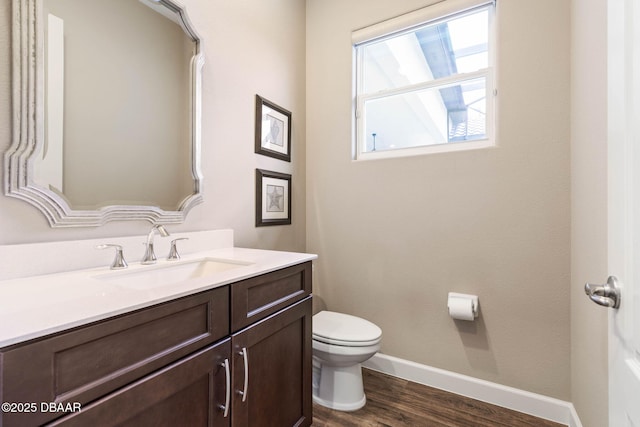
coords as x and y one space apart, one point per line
526 402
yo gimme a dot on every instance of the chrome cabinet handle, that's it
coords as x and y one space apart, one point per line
245 357
227 398
607 295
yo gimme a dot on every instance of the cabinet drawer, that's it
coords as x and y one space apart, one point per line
189 392
92 361
256 298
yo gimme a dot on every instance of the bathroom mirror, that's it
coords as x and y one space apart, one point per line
106 111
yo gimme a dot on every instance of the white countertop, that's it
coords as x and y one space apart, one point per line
32 307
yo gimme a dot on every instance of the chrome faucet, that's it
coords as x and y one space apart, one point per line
149 255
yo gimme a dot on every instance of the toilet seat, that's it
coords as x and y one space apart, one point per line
344 330
345 343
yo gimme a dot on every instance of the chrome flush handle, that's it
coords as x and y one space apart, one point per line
607 295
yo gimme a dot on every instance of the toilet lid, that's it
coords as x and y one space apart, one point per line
332 327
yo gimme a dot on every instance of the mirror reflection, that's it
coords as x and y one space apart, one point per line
117 104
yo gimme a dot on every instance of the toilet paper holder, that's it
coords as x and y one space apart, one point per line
473 298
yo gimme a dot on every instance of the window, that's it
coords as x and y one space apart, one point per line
424 81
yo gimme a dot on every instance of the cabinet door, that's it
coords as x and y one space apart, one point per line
272 370
190 392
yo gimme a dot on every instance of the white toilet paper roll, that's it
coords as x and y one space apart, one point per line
461 308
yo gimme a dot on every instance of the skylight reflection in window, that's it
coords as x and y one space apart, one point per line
432 51
469 39
426 85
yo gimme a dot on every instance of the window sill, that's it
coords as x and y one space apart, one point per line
424 150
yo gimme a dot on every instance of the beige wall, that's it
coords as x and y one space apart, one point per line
589 209
250 46
395 236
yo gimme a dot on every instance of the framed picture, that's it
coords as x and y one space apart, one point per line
273 130
273 198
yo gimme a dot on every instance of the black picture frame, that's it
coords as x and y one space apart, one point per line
273 130
273 198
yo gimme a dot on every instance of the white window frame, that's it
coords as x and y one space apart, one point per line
406 23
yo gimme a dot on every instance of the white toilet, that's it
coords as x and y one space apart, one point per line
340 343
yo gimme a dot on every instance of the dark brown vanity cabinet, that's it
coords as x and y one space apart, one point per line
183 362
271 340
86 364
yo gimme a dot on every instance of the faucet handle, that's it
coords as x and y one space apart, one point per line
118 262
173 253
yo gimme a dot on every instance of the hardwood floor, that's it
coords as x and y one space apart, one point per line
394 402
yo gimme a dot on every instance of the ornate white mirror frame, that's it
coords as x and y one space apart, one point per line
28 128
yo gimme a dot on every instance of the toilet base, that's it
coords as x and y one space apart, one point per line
340 407
339 387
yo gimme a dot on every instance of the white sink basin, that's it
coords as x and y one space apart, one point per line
148 277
